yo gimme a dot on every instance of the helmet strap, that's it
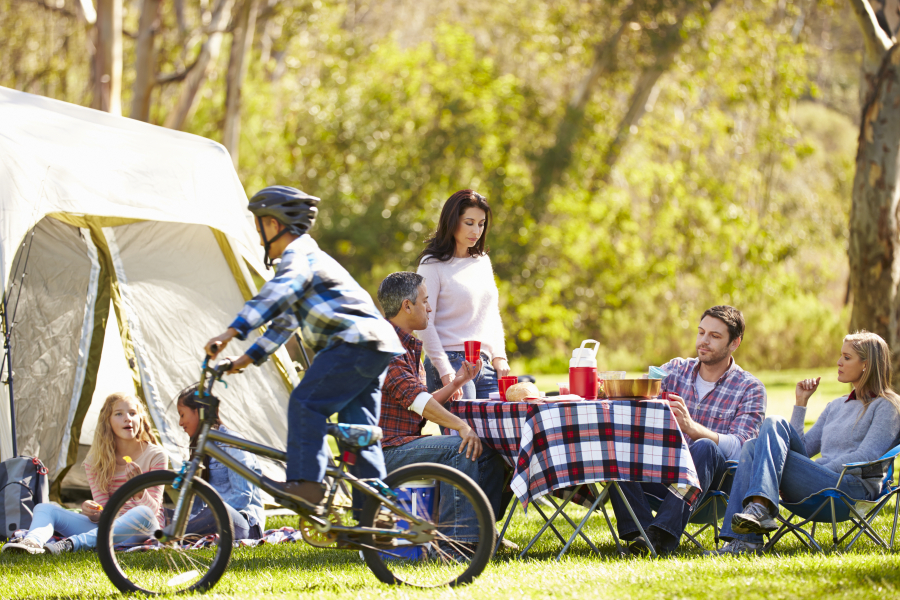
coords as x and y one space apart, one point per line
267 243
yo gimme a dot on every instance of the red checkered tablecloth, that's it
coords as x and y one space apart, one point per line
558 445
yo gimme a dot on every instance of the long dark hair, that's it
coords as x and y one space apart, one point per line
441 244
188 399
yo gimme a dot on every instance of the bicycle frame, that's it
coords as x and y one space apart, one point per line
416 533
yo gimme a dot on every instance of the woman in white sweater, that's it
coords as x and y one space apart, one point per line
464 298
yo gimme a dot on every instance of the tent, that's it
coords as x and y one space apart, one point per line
124 247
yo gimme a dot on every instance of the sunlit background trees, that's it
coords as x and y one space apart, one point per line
644 159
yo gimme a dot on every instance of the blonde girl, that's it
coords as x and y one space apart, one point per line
124 446
856 428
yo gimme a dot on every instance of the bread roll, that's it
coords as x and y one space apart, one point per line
520 391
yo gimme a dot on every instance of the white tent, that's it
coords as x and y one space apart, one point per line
116 229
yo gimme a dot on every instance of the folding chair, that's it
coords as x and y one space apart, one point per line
710 511
834 506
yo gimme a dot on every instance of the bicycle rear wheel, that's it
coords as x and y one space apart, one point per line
463 540
191 563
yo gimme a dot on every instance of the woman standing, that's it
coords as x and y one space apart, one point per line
860 427
464 298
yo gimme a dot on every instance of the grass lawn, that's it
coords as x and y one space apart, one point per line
299 571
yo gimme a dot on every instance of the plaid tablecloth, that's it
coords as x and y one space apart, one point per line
558 445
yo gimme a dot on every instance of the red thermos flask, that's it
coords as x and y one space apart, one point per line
583 370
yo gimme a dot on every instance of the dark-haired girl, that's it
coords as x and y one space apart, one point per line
242 499
463 295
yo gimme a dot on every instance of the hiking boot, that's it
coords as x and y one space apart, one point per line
24 545
737 548
640 547
307 494
64 545
756 518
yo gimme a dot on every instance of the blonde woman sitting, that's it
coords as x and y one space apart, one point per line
123 430
859 427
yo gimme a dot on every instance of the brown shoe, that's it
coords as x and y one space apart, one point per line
308 494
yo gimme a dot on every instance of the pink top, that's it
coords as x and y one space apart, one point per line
466 306
151 459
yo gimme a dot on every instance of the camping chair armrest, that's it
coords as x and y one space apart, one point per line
731 465
888 457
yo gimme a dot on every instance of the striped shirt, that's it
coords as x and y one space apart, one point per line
735 406
151 459
313 292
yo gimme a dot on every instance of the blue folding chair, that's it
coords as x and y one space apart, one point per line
710 511
834 506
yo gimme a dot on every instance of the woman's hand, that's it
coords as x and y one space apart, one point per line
500 366
447 380
805 389
91 510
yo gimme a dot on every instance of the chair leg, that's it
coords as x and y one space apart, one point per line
612 529
896 511
513 505
634 518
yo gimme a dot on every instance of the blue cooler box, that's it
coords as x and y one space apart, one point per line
419 498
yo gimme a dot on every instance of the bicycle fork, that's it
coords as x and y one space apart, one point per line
184 483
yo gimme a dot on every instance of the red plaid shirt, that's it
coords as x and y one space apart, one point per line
404 381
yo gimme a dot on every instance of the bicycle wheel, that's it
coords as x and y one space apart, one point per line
191 563
463 540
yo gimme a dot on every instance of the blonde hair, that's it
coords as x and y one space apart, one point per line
102 455
878 372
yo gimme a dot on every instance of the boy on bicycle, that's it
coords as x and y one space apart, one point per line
338 319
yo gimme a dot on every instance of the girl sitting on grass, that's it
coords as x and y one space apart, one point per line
242 499
859 427
124 447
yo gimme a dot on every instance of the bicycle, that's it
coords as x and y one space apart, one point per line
401 538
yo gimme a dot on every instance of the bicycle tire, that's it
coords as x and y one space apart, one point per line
421 572
149 572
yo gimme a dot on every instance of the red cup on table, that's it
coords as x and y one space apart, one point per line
505 383
665 395
473 351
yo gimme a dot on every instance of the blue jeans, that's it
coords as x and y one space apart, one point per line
344 379
489 472
204 523
674 513
774 461
135 526
480 387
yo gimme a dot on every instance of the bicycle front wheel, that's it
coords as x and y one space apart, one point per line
135 562
456 514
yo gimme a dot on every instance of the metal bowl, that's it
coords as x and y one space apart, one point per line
631 388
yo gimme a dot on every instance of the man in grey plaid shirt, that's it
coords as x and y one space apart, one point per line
338 319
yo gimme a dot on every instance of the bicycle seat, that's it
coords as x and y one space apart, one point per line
355 436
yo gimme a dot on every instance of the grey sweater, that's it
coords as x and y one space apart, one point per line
842 439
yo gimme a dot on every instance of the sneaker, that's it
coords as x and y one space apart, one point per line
736 548
24 545
64 545
639 546
756 518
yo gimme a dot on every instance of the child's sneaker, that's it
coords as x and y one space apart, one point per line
24 545
64 545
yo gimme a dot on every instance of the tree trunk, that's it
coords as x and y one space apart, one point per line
108 57
209 54
238 61
145 61
874 238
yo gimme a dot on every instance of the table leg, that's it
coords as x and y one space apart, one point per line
575 527
580 527
634 518
549 522
514 504
612 529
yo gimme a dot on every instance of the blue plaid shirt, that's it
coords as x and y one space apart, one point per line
313 292
736 405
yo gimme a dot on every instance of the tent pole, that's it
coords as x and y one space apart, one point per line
9 378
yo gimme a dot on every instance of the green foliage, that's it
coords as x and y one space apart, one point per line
733 187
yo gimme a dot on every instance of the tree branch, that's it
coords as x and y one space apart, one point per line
876 40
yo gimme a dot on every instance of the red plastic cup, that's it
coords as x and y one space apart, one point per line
665 395
505 383
473 351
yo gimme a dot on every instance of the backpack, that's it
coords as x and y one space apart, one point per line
23 483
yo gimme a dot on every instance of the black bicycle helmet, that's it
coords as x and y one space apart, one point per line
295 209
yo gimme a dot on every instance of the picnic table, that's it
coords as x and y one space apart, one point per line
584 448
